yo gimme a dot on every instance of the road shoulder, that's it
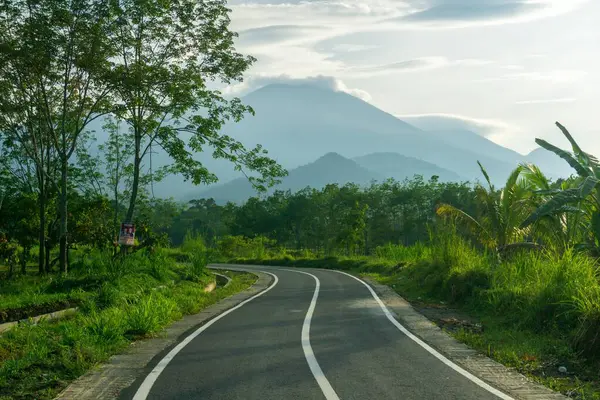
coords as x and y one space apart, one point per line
496 374
120 372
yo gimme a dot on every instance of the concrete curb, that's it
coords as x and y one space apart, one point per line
222 278
34 320
507 380
121 371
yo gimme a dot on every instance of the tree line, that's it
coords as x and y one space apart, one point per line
142 69
531 212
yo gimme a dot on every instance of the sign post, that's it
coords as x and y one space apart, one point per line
127 234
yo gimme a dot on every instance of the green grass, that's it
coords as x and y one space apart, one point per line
120 300
38 361
539 311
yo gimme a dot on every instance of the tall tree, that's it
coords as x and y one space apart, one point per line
169 50
57 53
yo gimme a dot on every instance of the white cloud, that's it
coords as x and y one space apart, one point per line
548 101
449 122
513 67
558 76
351 48
417 64
464 13
321 81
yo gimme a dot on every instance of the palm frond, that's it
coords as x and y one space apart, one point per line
534 177
553 205
565 155
446 210
587 186
588 159
486 176
576 148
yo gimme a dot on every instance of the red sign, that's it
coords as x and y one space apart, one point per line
127 235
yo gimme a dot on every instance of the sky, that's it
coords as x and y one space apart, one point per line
507 69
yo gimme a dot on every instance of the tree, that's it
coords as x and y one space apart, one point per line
118 164
581 200
168 53
56 54
502 211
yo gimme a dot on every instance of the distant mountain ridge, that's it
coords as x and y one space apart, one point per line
330 168
333 168
399 167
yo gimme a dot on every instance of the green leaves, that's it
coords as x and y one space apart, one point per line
553 205
568 157
577 203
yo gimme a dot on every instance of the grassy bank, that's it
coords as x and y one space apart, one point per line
126 301
535 312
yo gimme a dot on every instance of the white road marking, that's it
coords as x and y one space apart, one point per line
316 370
147 384
430 349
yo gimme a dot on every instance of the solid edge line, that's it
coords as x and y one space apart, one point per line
147 384
316 370
430 349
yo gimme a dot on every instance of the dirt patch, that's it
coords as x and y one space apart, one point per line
17 314
449 319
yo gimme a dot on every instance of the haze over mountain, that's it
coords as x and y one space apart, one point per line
331 168
399 167
334 168
299 124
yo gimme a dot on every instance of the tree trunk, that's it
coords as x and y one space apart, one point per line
134 187
42 229
24 260
48 266
63 209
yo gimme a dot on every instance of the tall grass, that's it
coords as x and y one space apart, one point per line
198 256
37 361
535 291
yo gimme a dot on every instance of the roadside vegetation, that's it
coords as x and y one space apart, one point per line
144 296
511 271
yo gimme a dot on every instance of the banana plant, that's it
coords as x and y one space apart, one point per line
580 200
498 226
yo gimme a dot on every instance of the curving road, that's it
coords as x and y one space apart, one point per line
313 334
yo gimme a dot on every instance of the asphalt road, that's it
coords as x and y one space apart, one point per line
308 337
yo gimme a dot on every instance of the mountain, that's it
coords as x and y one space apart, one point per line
298 123
399 167
331 168
469 140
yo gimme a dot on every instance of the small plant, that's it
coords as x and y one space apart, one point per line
108 295
197 265
150 314
159 265
107 325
